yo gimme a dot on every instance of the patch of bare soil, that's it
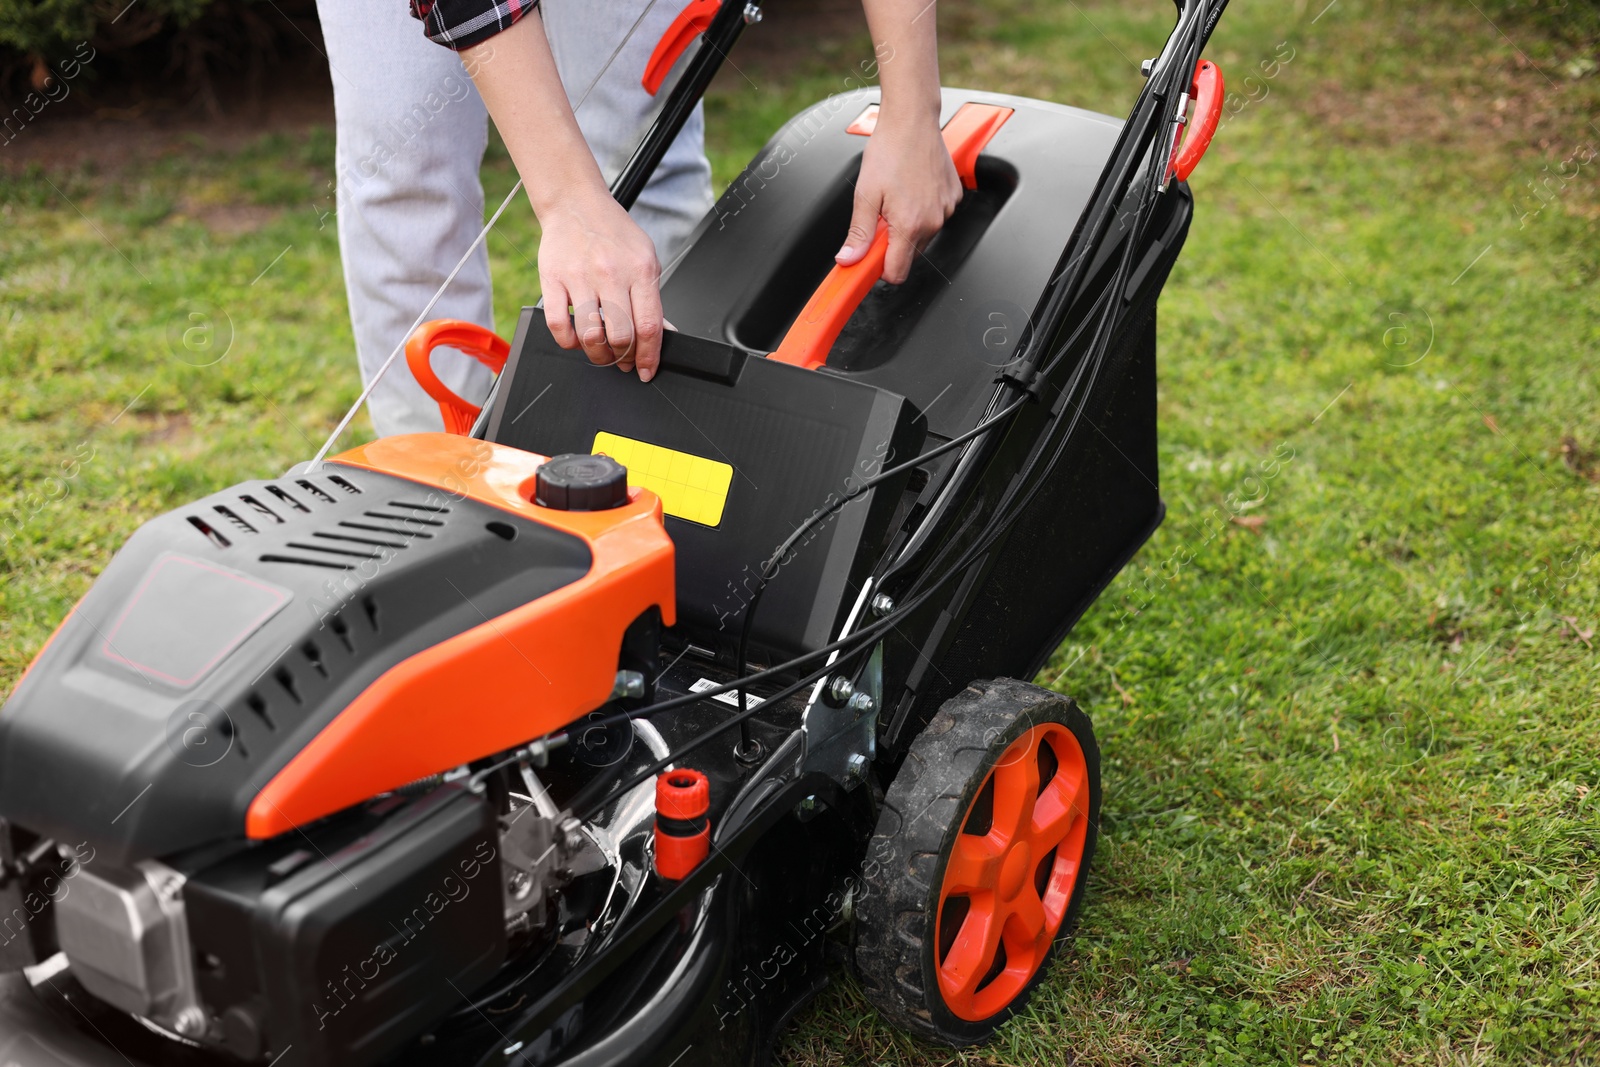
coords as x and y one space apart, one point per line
1491 101
1509 108
156 428
228 220
790 32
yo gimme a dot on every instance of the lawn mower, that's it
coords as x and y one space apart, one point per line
594 729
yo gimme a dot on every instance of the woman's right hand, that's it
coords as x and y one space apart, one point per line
596 261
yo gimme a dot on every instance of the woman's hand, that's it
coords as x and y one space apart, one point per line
596 261
908 179
599 271
906 174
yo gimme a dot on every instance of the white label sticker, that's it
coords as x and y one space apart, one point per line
731 698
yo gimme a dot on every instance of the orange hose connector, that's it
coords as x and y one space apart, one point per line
683 832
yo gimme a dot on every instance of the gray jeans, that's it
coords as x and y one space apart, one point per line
411 132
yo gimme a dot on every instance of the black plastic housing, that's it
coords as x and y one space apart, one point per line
797 440
346 956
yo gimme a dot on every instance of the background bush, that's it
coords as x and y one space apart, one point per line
41 27
152 43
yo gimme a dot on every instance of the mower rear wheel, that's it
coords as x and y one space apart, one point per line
976 870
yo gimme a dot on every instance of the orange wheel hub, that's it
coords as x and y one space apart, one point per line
1011 873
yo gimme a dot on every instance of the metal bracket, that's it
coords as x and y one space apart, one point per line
841 736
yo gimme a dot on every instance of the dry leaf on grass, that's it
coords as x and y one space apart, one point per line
1577 460
1577 634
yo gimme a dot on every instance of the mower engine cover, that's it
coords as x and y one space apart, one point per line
281 650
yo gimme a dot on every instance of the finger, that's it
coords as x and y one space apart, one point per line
863 226
619 334
558 314
591 327
647 324
619 324
897 264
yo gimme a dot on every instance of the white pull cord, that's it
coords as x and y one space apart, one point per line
476 241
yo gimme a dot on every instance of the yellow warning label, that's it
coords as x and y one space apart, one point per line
690 487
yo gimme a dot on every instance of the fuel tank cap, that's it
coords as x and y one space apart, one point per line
576 482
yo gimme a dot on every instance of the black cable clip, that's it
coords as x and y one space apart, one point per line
1025 378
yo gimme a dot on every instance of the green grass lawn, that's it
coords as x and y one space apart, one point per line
1347 696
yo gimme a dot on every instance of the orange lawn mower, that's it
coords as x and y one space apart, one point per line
579 733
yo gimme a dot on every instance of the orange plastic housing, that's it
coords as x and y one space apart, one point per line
519 676
691 22
481 343
1206 91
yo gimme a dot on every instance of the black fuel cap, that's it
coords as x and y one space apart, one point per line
575 482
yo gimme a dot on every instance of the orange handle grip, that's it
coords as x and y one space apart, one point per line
691 22
820 322
483 345
1206 92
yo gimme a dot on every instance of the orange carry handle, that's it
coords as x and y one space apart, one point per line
483 345
819 323
968 133
691 22
1206 93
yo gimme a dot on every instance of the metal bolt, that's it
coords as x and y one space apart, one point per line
839 691
753 14
882 604
520 884
572 835
857 766
629 684
191 1022
1146 67
861 703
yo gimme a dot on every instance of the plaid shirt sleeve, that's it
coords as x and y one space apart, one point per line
461 24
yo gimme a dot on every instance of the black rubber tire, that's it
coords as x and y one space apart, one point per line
923 812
